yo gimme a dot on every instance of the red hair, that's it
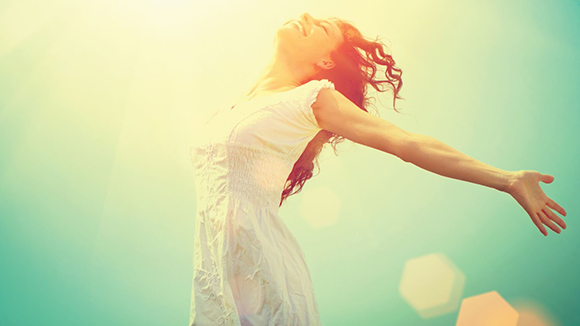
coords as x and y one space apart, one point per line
356 61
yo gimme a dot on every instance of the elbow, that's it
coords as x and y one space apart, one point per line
406 146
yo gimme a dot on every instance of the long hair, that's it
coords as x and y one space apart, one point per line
356 61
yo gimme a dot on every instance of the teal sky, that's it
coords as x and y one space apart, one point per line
99 102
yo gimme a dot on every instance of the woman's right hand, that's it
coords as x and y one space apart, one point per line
525 189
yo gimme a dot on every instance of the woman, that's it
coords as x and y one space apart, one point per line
248 267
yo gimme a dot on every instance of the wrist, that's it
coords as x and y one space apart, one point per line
511 179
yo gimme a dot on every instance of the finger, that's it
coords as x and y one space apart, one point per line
554 217
548 222
546 178
538 223
553 205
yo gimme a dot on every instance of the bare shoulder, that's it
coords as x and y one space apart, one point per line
326 97
336 113
327 105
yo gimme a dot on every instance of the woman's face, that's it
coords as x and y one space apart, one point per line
308 41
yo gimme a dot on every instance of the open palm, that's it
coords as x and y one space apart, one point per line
525 189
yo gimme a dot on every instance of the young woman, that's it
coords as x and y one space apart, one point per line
248 267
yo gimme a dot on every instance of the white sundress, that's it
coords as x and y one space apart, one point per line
248 269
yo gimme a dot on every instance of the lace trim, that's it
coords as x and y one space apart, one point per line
309 95
212 283
209 283
312 92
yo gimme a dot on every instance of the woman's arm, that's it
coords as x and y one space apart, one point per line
524 186
337 114
433 155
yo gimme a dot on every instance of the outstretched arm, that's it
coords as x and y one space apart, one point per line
524 186
335 113
433 155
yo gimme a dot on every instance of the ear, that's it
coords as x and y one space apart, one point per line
326 64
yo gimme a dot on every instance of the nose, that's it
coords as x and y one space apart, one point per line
306 17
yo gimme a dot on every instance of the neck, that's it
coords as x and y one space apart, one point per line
278 76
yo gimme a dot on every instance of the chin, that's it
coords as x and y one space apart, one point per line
286 38
286 32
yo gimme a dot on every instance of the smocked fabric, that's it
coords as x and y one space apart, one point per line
248 269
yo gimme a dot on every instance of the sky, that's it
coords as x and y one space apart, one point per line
100 102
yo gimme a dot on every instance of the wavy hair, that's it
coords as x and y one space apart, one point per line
356 61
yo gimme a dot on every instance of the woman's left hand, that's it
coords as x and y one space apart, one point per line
525 189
